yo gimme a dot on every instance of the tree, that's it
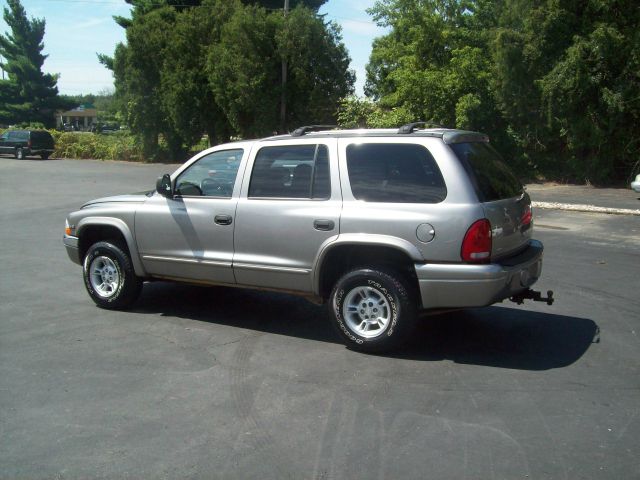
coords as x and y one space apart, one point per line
215 68
245 69
555 84
432 64
567 82
142 7
28 95
137 72
186 96
318 67
278 4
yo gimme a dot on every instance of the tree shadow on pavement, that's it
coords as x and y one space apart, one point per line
493 336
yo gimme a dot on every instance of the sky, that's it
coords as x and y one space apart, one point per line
76 30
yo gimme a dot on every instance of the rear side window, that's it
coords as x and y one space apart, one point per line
491 177
292 171
395 173
42 137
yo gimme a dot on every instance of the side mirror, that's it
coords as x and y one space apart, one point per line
164 187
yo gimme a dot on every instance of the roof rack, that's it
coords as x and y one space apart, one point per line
411 127
298 132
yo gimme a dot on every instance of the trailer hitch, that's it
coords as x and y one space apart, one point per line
533 295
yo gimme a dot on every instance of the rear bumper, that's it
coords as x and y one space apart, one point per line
71 246
464 285
40 151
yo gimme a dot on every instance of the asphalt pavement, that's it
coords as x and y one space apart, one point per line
198 382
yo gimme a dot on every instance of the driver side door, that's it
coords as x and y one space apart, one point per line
4 143
190 236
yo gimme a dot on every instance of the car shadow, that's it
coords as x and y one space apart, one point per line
495 336
499 336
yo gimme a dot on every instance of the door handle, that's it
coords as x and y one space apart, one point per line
223 219
324 225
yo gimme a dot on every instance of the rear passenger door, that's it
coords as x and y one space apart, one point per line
288 208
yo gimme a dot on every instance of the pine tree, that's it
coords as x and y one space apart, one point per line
28 94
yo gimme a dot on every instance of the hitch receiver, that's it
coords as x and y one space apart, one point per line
533 295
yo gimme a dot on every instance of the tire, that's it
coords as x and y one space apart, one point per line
109 276
44 156
19 154
365 293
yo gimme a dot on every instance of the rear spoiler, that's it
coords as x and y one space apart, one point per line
464 137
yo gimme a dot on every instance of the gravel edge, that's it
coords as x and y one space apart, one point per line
585 208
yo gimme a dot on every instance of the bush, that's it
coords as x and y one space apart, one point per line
117 146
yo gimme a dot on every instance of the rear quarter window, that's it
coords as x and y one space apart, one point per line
394 173
490 176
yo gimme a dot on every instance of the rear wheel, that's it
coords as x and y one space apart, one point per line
109 276
19 154
44 156
373 309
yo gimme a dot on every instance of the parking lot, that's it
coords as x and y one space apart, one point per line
199 382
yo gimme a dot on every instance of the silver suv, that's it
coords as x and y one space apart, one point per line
378 224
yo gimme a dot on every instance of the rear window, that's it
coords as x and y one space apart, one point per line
491 177
394 173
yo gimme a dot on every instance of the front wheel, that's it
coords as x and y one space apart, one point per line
109 276
373 310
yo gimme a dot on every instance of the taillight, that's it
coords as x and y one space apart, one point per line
29 144
476 246
527 216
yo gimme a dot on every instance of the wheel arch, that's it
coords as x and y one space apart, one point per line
338 257
94 229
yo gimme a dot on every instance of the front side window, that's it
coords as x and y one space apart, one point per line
394 173
292 171
212 176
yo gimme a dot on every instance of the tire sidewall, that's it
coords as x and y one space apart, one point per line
104 249
394 292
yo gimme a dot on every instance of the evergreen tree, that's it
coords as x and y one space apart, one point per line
28 94
216 68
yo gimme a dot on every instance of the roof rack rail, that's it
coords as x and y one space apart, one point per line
298 132
411 127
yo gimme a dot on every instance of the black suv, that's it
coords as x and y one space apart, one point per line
22 143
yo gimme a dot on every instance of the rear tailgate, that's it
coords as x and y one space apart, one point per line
506 205
41 140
